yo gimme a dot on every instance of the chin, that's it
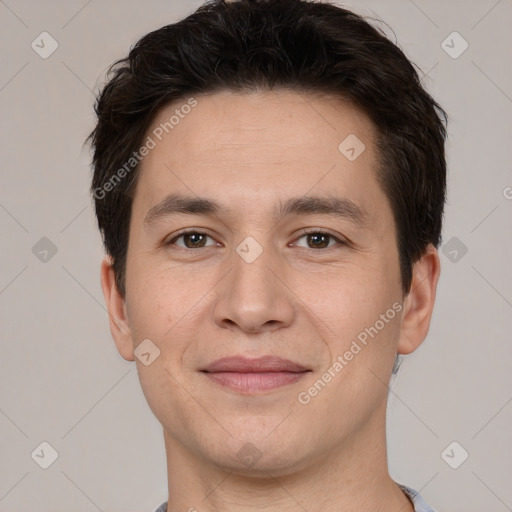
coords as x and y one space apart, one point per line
257 456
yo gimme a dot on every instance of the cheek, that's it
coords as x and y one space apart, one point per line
347 297
162 310
357 313
166 305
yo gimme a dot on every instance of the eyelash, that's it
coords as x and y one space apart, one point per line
302 234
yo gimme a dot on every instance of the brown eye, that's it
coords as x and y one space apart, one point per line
194 240
191 240
319 240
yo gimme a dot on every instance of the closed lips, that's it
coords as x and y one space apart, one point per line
240 364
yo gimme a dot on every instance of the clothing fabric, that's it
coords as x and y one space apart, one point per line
414 496
162 507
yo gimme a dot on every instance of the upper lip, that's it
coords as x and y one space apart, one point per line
241 364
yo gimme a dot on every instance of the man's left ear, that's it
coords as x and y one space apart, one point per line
419 302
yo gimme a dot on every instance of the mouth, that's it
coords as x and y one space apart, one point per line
254 375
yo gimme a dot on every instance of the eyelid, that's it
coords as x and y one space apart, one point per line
306 231
201 231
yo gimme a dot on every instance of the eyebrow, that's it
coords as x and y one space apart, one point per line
305 205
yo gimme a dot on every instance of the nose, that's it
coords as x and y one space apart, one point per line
254 297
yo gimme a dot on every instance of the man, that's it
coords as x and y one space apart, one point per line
269 181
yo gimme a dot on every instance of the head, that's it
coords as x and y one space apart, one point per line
246 123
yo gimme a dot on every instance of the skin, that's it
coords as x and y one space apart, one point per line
248 151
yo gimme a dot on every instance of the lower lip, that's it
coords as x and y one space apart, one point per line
253 382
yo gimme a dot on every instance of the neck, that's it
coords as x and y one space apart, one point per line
352 477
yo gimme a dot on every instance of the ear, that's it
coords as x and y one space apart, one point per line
116 305
419 302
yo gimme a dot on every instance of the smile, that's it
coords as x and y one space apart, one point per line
254 375
254 382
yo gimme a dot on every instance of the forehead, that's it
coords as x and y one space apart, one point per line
235 122
261 145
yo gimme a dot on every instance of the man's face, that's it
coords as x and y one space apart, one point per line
251 282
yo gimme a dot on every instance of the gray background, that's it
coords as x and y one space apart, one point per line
62 380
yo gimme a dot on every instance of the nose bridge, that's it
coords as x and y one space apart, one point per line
252 277
253 297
